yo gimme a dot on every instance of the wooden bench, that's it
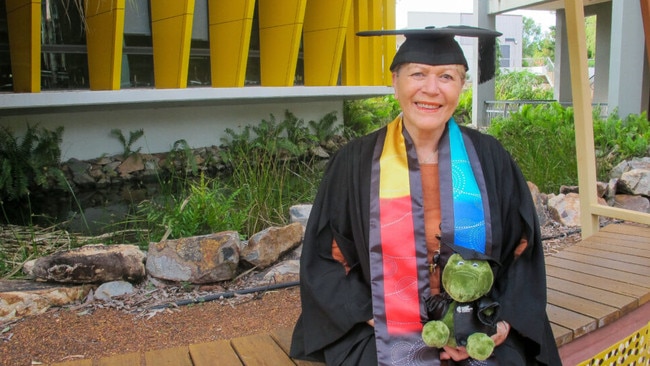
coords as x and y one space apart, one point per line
596 289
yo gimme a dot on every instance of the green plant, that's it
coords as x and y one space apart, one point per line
541 140
127 144
463 113
521 85
208 206
181 153
619 139
271 168
30 162
366 115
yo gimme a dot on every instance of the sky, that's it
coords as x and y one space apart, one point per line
544 18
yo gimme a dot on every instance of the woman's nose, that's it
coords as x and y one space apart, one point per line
431 85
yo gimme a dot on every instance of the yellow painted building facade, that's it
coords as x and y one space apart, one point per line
245 42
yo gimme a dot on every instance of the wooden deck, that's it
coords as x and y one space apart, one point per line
593 287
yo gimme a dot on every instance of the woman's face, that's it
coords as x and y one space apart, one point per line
428 95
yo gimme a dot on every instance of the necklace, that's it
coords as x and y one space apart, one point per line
431 158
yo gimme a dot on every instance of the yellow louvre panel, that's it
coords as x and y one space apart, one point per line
364 48
633 350
280 32
349 69
389 46
230 34
172 34
326 23
367 59
24 26
164 9
104 35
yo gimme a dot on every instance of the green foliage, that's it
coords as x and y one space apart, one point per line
271 166
208 206
521 85
30 162
619 139
541 139
182 153
127 144
463 113
537 45
366 115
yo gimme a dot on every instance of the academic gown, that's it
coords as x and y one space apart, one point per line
336 304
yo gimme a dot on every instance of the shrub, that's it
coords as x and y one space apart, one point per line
31 162
541 140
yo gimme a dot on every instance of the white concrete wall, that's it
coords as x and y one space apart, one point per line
87 134
200 116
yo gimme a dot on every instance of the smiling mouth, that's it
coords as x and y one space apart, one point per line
428 106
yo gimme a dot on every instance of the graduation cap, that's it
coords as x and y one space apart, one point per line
437 46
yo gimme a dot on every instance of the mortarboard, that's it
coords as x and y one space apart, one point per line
437 46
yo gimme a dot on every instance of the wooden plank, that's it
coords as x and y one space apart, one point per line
127 359
84 362
622 302
561 334
214 353
177 356
599 271
618 240
645 253
636 230
623 239
259 350
606 254
598 263
578 324
639 292
283 338
604 314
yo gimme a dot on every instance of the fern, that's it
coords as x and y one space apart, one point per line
31 162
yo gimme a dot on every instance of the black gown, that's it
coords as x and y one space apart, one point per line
336 304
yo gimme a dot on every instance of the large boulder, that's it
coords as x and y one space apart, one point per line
265 248
32 299
198 260
90 264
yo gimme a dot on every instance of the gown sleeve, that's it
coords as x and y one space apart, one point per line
334 301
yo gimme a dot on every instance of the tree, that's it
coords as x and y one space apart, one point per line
537 45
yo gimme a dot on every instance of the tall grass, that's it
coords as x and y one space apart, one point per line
541 139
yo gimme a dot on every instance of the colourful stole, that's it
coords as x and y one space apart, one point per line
398 254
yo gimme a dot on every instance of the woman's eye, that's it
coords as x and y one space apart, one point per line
418 75
447 77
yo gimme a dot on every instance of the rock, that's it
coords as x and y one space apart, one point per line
134 163
624 166
16 305
540 207
91 264
282 272
629 202
114 288
264 248
197 260
636 182
300 214
80 172
565 208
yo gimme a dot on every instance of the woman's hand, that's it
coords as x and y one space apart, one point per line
503 329
460 353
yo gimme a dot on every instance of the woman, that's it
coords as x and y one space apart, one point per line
372 250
